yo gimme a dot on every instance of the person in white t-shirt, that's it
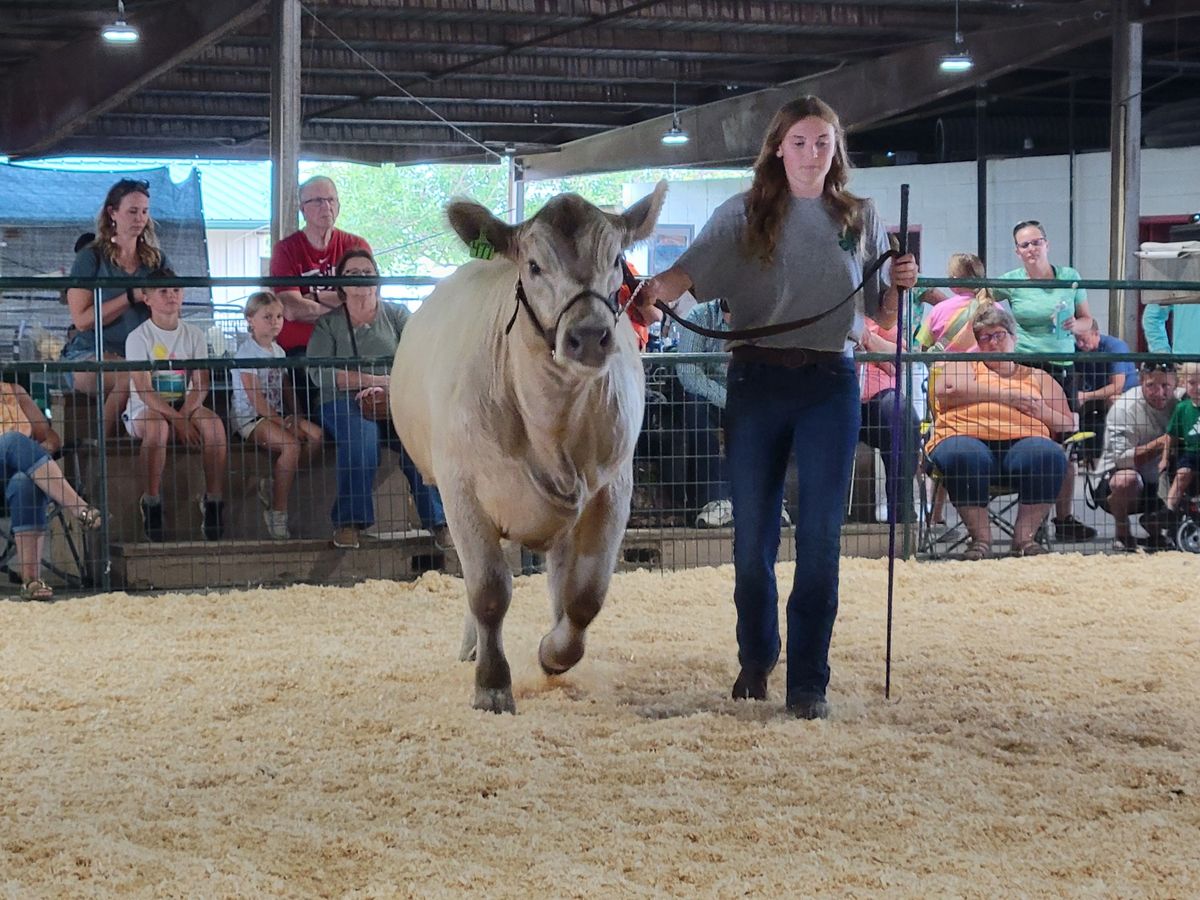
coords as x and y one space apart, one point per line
260 397
166 403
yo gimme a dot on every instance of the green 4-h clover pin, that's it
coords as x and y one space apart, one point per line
846 240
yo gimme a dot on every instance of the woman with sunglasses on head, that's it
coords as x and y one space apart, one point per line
993 422
125 245
796 245
1045 320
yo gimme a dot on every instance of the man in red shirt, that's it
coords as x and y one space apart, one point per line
313 250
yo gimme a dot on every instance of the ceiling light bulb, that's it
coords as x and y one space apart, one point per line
120 31
675 136
959 59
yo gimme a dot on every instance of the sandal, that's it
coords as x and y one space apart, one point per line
1033 548
90 518
977 550
37 590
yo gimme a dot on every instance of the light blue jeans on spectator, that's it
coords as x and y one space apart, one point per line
771 413
19 456
358 440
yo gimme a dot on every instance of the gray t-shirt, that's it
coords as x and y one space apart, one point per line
270 382
90 262
1132 423
331 338
812 271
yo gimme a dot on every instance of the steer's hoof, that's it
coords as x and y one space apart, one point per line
497 700
557 663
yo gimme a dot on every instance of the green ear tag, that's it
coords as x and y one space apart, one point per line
481 248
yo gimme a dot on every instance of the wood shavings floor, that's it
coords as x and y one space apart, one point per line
1043 740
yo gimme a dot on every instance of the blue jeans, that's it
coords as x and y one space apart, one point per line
1034 467
358 440
876 432
708 478
19 456
771 412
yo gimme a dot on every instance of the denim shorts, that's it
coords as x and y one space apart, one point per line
81 346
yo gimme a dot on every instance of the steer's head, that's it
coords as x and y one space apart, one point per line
568 256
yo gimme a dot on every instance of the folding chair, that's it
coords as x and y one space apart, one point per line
54 517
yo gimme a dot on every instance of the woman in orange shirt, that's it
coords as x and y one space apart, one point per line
992 424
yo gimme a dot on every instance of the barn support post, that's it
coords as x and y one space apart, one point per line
285 117
1125 143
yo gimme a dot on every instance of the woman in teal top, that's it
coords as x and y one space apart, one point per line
1045 317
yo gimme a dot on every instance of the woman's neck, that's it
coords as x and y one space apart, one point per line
362 310
127 249
806 191
1002 367
1040 270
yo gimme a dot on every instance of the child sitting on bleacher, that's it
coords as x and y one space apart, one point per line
166 403
260 397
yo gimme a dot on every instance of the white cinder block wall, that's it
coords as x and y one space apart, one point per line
942 203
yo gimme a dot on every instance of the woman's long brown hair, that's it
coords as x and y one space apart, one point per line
147 246
767 200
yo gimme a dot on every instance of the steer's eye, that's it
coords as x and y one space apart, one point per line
534 268
617 262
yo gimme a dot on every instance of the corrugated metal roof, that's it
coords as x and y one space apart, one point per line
235 194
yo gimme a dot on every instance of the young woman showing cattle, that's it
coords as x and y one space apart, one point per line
519 392
791 247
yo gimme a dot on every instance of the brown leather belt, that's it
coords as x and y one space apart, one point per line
789 357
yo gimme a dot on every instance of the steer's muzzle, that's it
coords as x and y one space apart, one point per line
588 343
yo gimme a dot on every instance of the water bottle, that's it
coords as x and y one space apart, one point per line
654 341
1058 308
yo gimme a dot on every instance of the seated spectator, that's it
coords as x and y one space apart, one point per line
264 410
707 489
878 393
1184 431
993 424
1134 443
365 328
125 244
1098 384
166 403
947 324
1045 320
31 477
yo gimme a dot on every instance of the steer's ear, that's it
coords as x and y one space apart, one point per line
471 221
639 220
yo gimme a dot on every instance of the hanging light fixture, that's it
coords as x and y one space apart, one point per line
675 135
120 31
958 60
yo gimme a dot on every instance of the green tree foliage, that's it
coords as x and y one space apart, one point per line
400 210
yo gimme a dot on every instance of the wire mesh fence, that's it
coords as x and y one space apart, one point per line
333 501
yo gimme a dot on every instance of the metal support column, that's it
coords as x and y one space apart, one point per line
1125 143
981 191
285 117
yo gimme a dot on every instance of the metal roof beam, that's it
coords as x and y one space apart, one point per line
730 131
63 88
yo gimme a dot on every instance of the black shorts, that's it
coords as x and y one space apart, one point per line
1148 501
1188 461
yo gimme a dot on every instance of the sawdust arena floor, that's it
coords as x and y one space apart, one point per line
1043 739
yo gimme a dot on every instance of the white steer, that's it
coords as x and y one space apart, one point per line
519 394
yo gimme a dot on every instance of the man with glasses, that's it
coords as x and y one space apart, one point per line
1133 452
313 250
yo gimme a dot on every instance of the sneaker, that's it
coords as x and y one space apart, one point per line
152 518
715 514
1069 528
265 486
213 511
277 524
346 537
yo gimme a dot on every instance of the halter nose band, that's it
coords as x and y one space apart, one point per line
611 303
